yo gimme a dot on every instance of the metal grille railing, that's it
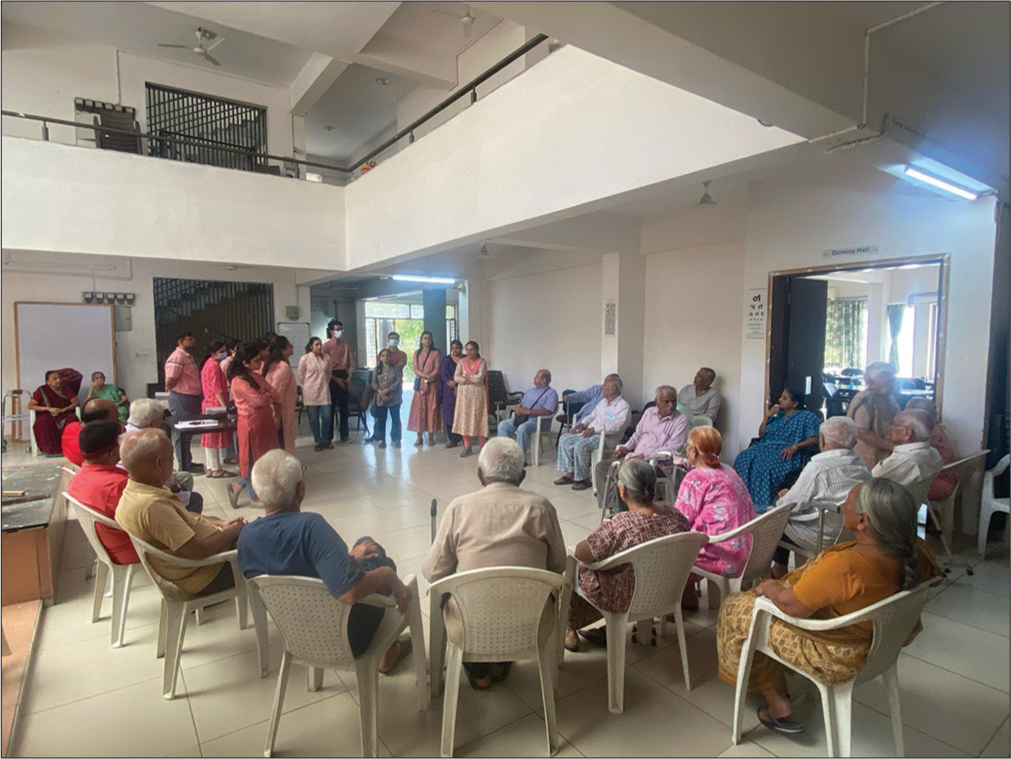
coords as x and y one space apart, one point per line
211 310
208 124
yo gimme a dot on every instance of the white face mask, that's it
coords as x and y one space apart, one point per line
337 333
394 343
222 356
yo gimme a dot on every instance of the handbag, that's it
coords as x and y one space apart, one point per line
519 419
417 384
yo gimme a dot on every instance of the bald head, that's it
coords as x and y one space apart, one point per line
912 426
99 408
147 456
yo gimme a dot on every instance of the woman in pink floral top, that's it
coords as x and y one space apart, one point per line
612 589
714 500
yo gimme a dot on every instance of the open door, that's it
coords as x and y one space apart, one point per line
797 349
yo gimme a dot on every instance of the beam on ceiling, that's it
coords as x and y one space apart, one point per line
315 78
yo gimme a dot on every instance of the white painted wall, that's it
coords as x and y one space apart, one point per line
135 350
694 310
574 129
76 200
43 73
545 320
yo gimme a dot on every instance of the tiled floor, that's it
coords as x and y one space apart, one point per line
87 699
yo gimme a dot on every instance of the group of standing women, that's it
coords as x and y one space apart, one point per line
450 392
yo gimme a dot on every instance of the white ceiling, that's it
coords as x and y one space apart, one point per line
139 27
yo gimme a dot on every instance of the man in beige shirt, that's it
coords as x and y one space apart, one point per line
498 526
153 513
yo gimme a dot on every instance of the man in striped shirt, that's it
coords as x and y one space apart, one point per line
828 478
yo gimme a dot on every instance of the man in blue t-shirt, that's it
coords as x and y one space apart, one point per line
537 406
289 542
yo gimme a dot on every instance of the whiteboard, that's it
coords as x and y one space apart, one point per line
58 335
298 333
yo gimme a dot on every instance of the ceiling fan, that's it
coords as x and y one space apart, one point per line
467 19
207 41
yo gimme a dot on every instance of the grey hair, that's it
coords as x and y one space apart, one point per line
275 476
877 368
710 374
840 431
922 404
619 384
920 423
891 519
639 480
143 411
665 390
501 460
140 446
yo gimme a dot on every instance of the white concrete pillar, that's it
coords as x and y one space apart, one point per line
623 289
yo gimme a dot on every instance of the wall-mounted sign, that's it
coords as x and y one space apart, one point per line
754 314
859 251
610 317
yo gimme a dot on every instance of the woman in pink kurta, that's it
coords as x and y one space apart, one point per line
714 500
426 414
314 376
259 417
471 417
215 388
277 371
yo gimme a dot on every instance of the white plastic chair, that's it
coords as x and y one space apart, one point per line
31 429
661 569
989 505
893 618
314 627
766 531
122 574
536 440
701 420
595 458
501 610
177 604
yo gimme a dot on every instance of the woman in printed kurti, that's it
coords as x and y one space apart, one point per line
215 387
447 375
885 558
426 416
52 410
259 417
787 428
714 501
314 376
277 371
612 589
388 384
471 417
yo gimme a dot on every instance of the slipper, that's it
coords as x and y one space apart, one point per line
232 460
405 648
784 726
572 649
233 497
566 480
473 681
505 673
582 485
596 636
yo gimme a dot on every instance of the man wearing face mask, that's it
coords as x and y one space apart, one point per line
397 356
340 379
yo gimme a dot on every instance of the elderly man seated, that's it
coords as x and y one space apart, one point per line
700 398
943 484
537 406
94 410
913 462
147 413
497 526
151 512
661 428
827 478
575 448
288 541
589 398
99 484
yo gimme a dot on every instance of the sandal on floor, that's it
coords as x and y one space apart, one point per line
596 636
572 649
473 681
233 497
785 726
566 480
505 673
405 648
582 485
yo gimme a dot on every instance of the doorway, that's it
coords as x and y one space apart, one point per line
829 323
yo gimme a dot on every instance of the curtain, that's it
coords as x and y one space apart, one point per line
845 341
895 314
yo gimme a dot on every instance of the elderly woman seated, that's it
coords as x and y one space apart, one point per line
886 557
788 427
612 589
714 500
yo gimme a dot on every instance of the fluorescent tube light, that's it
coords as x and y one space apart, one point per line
940 183
426 280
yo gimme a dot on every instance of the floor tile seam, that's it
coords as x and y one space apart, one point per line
970 588
957 672
962 621
990 739
906 726
158 679
193 718
79 641
683 697
460 748
265 722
